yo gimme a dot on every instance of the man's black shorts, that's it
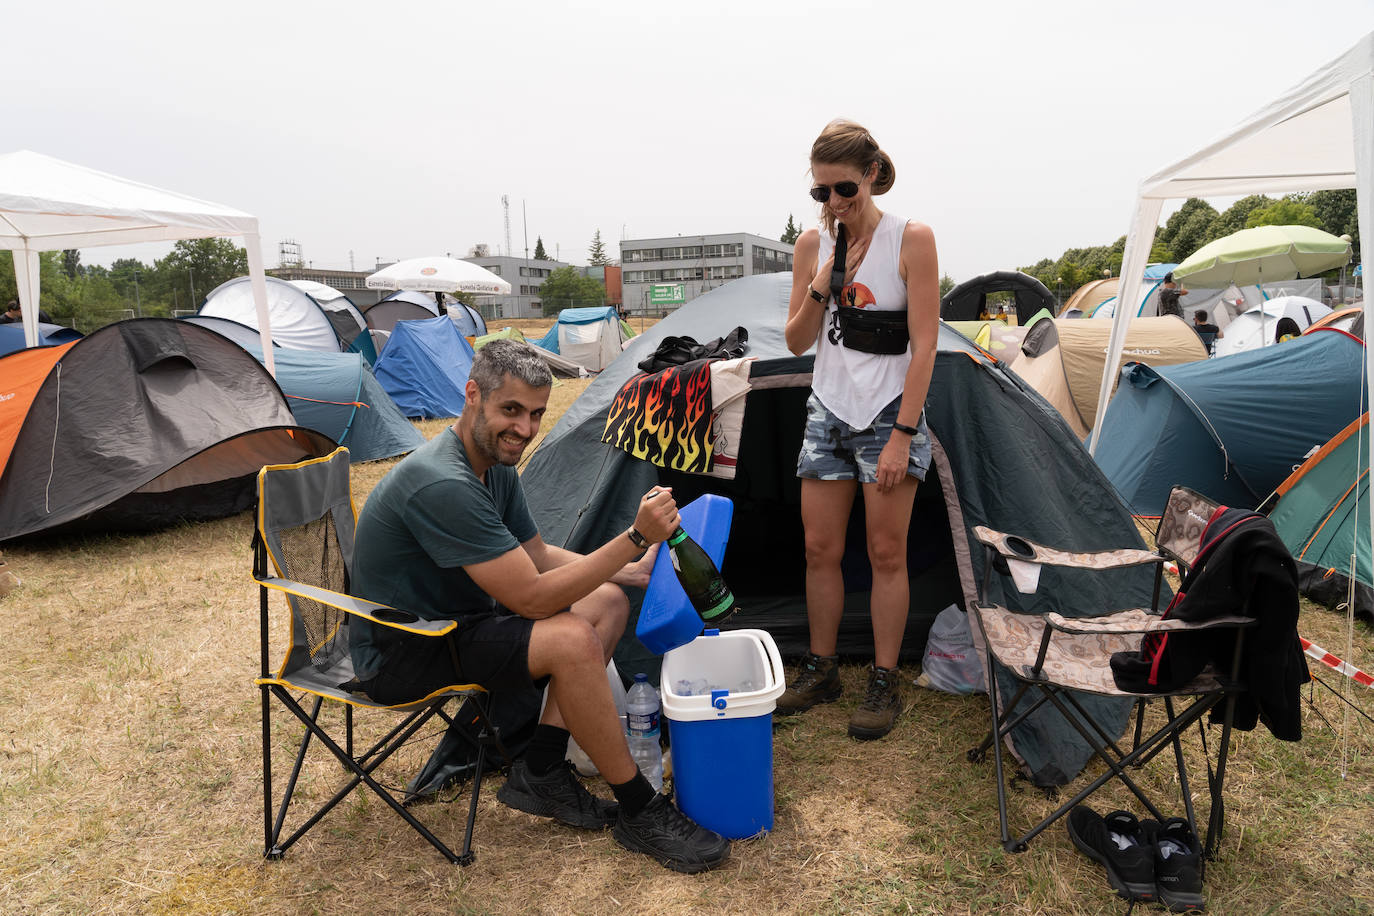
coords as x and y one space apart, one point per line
493 650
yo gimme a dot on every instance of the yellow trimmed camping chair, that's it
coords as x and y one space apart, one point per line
303 549
1052 655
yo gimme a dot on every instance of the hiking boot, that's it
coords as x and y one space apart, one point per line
556 794
664 833
817 681
1178 866
881 706
1121 845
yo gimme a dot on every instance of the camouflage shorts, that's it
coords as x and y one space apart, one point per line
833 450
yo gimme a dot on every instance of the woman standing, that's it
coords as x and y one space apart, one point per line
865 292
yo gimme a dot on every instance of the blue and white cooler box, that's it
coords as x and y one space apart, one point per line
719 692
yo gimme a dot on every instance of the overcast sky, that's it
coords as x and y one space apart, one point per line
391 130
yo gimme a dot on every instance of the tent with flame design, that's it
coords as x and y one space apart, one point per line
1002 457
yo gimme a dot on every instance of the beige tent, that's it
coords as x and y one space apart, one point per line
1090 295
1063 359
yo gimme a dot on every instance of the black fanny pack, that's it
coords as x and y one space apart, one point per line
884 333
881 332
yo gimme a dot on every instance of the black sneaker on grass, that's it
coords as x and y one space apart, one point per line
1178 866
1121 845
558 795
664 833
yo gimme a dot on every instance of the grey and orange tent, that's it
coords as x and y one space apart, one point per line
1322 513
138 425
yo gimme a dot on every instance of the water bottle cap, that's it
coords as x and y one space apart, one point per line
641 677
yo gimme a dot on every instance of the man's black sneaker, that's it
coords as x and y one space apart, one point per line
1120 844
664 833
817 681
556 794
1178 866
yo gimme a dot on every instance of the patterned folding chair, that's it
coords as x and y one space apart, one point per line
303 548
1053 656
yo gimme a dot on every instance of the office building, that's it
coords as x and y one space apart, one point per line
658 275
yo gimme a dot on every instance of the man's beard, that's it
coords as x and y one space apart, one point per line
489 443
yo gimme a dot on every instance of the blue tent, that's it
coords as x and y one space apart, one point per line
12 336
424 367
574 317
1232 428
336 394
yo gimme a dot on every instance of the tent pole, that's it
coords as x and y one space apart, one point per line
258 280
27 278
1138 241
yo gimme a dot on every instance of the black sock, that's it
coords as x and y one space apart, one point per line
547 749
634 795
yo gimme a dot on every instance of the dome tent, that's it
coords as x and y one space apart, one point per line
1232 428
298 321
424 368
384 315
337 394
240 334
349 324
987 428
137 425
1062 358
968 300
590 337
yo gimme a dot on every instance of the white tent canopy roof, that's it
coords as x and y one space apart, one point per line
1319 135
48 205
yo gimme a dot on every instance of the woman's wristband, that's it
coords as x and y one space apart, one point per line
903 428
816 296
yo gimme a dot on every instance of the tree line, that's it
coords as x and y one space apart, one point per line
87 297
1197 223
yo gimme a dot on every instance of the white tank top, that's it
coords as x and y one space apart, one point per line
855 386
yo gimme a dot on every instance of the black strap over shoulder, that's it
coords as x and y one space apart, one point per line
837 267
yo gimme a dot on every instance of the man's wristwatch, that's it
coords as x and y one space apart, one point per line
639 540
819 297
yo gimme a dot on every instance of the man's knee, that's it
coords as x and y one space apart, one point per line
561 640
606 607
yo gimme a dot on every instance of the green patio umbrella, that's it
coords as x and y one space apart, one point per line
1263 254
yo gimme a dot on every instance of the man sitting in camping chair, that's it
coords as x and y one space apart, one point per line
447 534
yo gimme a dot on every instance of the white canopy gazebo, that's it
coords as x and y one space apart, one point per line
1317 136
49 205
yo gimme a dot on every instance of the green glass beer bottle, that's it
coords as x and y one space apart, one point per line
703 583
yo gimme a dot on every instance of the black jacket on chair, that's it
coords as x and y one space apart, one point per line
1242 568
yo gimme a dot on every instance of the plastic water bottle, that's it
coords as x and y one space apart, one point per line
641 708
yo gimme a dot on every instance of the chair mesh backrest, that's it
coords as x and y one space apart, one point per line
1181 524
306 518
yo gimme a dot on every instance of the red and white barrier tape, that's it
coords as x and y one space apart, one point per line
1331 661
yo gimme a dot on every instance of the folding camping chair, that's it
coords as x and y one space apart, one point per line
1052 656
305 521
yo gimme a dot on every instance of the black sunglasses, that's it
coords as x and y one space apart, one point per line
821 193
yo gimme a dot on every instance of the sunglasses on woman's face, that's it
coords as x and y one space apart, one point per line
821 192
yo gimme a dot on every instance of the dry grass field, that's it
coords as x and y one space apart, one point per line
130 782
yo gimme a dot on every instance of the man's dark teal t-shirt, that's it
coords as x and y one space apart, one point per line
428 518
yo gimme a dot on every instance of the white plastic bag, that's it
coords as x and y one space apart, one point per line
951 664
